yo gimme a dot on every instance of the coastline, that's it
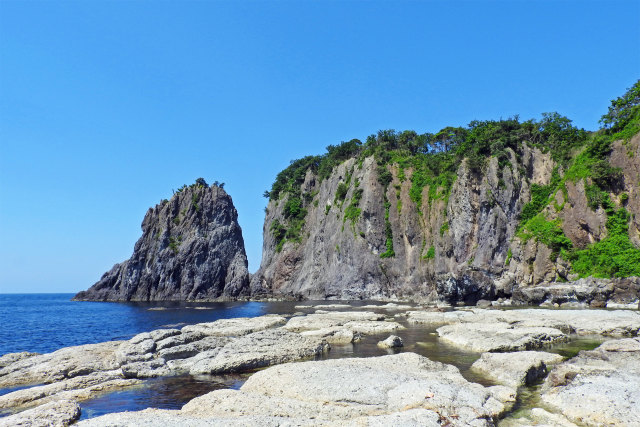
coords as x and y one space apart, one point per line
313 331
581 293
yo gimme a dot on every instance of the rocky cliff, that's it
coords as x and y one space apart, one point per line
377 228
191 249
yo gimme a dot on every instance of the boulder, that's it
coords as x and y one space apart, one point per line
138 348
391 306
183 338
148 369
326 306
191 349
437 318
393 341
160 334
379 385
373 327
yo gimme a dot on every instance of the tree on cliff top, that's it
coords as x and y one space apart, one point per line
623 110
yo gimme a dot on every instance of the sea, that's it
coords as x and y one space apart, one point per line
44 323
47 322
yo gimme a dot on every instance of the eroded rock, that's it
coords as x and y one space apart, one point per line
538 417
10 358
65 363
195 240
515 369
617 323
598 387
499 336
403 389
77 388
53 414
337 335
260 349
236 327
330 320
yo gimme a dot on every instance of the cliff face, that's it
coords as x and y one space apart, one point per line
191 248
461 246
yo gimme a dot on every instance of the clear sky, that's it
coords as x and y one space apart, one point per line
105 107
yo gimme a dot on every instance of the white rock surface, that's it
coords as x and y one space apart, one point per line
373 327
330 320
53 414
383 384
438 318
389 306
260 349
337 335
499 336
617 323
598 387
515 369
236 327
77 388
403 389
10 358
65 363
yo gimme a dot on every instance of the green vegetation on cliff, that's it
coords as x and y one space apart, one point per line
615 255
431 161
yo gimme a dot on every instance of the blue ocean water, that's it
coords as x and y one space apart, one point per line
47 322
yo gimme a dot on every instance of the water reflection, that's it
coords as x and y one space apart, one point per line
161 393
417 339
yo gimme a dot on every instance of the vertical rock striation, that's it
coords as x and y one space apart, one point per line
191 248
462 246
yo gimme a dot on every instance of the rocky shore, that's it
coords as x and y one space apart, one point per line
295 381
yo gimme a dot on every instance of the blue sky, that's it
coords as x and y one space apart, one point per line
105 107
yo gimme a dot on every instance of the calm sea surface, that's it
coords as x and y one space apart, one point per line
46 322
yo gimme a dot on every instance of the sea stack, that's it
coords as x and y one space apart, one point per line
191 249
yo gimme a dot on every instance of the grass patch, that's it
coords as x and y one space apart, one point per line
431 253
